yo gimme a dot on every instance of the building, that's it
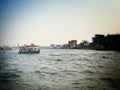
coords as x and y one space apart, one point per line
109 42
99 41
113 42
72 43
65 46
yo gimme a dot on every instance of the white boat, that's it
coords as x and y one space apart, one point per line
29 49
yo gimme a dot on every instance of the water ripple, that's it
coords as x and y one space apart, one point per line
60 69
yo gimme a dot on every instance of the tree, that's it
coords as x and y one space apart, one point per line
84 42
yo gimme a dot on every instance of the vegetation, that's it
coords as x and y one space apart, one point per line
84 42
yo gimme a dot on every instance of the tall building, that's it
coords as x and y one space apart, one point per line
113 42
99 41
109 42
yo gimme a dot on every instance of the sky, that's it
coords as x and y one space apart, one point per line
46 22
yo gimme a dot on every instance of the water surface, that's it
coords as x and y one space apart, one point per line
60 69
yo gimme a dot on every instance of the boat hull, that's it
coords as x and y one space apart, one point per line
29 52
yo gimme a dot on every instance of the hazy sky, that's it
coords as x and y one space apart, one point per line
56 21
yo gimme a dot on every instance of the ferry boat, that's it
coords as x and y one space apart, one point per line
29 49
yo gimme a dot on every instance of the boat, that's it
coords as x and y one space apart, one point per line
29 49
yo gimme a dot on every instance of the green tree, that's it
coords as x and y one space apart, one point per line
84 42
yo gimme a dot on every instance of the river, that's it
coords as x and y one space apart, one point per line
60 69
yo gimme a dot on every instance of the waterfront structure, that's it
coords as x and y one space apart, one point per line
65 46
72 43
55 46
109 42
99 42
2 48
113 42
7 47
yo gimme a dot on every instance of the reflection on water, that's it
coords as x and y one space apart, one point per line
59 69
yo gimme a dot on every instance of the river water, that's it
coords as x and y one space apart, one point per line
60 69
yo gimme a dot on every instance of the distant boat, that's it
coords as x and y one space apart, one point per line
29 49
